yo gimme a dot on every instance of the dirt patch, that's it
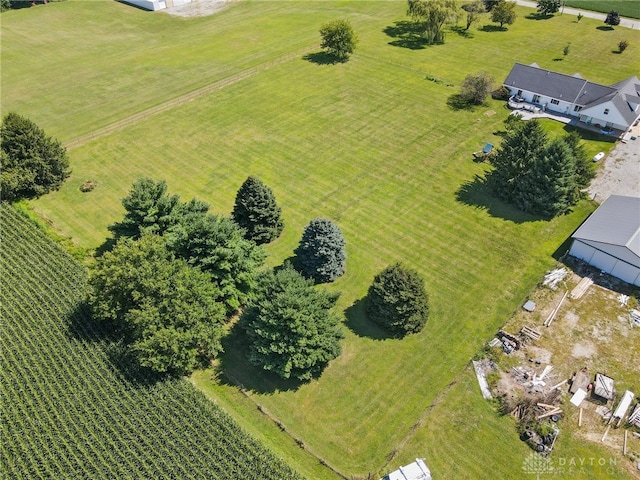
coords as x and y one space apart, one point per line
584 350
199 8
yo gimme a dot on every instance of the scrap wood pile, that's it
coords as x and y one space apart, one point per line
554 277
581 288
634 315
530 408
634 418
531 380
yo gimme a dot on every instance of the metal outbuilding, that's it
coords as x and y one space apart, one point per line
610 238
417 470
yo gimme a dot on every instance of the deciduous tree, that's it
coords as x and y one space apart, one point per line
322 251
476 87
398 301
165 308
433 15
548 7
290 327
256 211
338 39
503 13
474 11
31 164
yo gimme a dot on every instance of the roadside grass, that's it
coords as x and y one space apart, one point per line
626 8
370 144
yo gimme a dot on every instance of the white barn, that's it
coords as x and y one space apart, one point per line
611 107
154 5
610 238
417 470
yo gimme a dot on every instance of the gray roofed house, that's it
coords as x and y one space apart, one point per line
610 238
614 107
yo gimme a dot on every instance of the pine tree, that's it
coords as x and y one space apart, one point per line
257 212
398 301
291 330
321 253
523 144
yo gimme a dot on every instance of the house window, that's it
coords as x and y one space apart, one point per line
536 99
577 108
606 111
555 102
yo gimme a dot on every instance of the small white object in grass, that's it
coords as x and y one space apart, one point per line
598 157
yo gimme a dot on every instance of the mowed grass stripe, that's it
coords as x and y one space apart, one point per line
404 176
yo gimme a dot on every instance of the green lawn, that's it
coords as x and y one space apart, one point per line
370 144
626 8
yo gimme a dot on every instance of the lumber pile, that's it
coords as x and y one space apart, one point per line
554 312
581 288
529 332
634 418
554 277
634 315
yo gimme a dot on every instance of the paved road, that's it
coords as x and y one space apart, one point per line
624 22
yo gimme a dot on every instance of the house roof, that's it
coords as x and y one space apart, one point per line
615 222
570 88
625 97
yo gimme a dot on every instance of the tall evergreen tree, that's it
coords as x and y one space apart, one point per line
216 245
31 164
290 327
549 187
398 301
322 251
256 211
148 208
523 144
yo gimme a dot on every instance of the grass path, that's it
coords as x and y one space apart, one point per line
187 97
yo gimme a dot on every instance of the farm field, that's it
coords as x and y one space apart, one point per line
626 8
371 144
69 412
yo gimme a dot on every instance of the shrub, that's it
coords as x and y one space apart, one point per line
622 46
321 253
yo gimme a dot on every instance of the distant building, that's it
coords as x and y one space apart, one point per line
610 107
610 238
156 4
417 470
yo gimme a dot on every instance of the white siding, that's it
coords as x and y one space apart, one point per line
582 251
603 261
626 272
614 117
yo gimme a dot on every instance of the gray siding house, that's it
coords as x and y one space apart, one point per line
610 107
610 238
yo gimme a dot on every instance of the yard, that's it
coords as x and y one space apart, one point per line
371 144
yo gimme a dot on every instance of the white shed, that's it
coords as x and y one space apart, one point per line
610 238
417 470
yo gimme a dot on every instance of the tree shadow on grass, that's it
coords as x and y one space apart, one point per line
323 58
493 28
408 34
538 16
457 102
605 28
358 323
463 32
236 370
476 193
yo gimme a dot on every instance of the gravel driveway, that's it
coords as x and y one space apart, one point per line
620 172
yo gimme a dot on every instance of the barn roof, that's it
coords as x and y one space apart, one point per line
615 222
417 470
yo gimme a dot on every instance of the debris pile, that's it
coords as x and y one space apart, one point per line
623 299
530 380
634 315
634 418
554 277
